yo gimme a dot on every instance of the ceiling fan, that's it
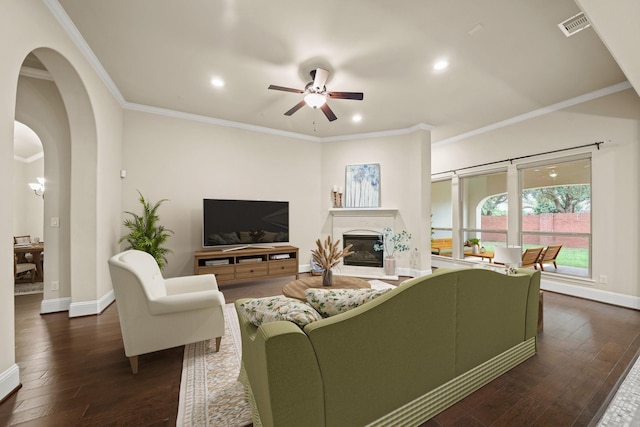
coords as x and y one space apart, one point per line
316 94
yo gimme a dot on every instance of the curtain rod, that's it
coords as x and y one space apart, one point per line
597 144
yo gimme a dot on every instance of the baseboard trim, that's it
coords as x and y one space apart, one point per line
627 301
9 381
88 308
55 305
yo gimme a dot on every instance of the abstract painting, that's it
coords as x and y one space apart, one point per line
362 188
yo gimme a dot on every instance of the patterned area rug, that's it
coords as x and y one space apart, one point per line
28 288
210 393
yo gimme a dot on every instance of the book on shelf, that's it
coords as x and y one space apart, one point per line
280 256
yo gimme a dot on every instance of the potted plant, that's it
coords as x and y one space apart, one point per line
145 234
390 244
474 242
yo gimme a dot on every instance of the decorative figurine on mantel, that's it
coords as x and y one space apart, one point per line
328 255
336 194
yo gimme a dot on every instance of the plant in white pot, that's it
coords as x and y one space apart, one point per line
390 244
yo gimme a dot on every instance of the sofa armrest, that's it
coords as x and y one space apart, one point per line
283 372
185 284
185 302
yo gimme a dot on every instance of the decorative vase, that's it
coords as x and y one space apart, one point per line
390 266
475 249
327 277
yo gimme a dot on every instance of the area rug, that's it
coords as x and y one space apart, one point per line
624 408
210 393
28 288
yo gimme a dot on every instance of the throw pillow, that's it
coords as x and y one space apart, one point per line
329 302
271 309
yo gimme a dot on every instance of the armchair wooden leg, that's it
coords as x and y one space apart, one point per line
218 340
133 361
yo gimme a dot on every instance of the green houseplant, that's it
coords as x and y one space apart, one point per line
145 234
474 242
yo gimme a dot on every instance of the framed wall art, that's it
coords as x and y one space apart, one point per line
362 186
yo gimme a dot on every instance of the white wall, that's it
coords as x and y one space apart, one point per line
405 169
615 202
186 161
96 128
28 208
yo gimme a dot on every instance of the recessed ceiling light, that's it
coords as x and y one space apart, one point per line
357 118
441 64
217 82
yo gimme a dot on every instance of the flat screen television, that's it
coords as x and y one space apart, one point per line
243 223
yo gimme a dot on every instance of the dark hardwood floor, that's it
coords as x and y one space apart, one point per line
74 372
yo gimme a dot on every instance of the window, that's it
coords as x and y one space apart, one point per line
441 213
556 209
484 210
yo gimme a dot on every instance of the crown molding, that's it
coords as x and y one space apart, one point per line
35 73
72 31
66 23
618 87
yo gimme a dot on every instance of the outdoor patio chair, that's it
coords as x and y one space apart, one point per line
549 256
530 257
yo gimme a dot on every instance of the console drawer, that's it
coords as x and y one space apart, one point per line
284 268
223 273
248 271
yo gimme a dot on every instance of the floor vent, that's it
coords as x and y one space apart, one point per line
574 24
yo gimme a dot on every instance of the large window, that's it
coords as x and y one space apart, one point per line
556 210
441 213
484 210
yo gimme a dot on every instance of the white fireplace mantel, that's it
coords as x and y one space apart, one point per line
366 212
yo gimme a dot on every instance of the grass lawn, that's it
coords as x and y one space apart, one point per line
570 257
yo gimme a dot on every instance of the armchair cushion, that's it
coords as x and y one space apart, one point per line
181 303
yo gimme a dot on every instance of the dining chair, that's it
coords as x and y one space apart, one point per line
23 269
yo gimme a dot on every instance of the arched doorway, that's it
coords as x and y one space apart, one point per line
53 101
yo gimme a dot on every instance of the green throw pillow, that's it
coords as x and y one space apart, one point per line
271 309
329 302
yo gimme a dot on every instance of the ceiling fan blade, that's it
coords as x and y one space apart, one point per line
358 96
285 89
295 108
320 78
327 112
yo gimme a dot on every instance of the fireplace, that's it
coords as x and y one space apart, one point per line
364 254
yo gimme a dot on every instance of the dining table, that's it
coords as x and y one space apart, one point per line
36 250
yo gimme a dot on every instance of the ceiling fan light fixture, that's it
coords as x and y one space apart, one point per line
315 100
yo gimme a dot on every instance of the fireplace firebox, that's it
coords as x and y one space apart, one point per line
364 254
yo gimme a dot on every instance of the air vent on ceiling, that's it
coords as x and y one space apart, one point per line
574 24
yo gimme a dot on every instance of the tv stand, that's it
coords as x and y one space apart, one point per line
245 263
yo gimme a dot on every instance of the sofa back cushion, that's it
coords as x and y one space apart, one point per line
490 318
392 347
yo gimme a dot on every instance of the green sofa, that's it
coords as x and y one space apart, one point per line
397 360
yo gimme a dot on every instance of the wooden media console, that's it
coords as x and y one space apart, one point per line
252 263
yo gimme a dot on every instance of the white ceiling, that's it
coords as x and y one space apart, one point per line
507 58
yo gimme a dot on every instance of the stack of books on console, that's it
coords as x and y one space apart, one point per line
245 260
280 256
211 262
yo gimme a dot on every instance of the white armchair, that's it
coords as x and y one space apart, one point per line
157 313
